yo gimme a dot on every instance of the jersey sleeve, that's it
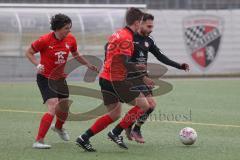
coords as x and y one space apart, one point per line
39 45
74 45
154 48
161 57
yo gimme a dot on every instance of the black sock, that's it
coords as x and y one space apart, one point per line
136 128
87 135
117 130
131 125
145 116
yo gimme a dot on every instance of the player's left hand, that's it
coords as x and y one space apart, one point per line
141 66
185 67
92 67
149 82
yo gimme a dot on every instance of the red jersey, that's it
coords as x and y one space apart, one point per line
54 53
119 43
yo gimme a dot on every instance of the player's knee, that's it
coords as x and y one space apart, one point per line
51 104
115 114
114 117
144 106
114 111
152 102
64 105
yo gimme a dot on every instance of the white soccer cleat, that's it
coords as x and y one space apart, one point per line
39 145
61 132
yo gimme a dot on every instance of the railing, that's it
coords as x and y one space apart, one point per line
151 4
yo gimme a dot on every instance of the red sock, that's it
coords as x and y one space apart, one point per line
44 126
61 118
131 116
101 124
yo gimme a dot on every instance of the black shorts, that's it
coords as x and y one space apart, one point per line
52 88
140 86
117 91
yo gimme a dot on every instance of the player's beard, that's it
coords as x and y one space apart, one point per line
143 32
146 33
149 33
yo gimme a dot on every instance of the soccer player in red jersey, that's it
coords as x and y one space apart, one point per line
54 49
114 86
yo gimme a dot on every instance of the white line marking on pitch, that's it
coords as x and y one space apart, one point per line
175 122
202 124
20 111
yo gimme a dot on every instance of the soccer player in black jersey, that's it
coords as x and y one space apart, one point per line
144 43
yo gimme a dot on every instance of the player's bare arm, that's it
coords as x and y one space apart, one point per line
83 61
30 54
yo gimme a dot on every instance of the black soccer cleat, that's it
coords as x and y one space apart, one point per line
85 145
117 139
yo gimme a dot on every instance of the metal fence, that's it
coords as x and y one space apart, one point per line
151 4
20 25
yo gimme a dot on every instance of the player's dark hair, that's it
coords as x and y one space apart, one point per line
147 16
132 15
59 20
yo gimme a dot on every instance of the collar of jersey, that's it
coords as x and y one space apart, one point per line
130 30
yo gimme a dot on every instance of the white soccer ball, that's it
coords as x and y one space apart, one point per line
188 136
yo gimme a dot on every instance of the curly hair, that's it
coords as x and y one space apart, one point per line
59 20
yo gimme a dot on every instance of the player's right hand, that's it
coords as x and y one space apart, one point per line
93 67
40 68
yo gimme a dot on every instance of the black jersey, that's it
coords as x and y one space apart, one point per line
145 44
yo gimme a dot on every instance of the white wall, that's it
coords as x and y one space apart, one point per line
169 35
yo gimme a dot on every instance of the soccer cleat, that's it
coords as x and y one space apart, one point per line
117 139
61 132
39 145
84 144
128 133
137 136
